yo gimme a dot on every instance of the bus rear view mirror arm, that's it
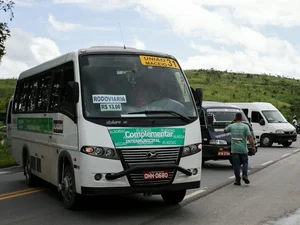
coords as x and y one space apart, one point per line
198 95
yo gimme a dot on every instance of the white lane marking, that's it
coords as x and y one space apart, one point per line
297 150
285 155
193 194
266 163
240 175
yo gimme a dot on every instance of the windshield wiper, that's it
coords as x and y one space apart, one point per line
184 118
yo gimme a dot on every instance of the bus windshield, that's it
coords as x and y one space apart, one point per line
128 85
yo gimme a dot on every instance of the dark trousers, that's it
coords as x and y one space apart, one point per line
238 160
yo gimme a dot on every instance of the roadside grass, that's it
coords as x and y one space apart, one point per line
6 160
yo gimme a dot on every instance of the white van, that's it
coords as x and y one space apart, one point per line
268 123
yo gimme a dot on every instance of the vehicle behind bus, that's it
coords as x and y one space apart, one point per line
269 125
108 120
214 117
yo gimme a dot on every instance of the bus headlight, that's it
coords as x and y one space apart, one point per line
190 150
100 152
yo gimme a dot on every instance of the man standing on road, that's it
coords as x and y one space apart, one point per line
240 132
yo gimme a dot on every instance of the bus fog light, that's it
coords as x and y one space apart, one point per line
195 171
186 151
98 176
99 151
109 153
194 149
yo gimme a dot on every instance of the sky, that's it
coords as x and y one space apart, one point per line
251 36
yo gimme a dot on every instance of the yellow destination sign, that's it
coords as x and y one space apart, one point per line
158 61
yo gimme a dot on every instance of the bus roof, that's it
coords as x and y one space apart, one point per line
92 50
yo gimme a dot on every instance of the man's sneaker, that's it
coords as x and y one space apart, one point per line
246 180
237 183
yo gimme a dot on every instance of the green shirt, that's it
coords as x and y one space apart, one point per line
239 133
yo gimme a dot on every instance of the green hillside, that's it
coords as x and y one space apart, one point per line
283 93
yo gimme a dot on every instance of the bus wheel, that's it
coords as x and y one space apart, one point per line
68 191
173 197
31 179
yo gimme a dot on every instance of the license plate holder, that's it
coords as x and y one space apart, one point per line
224 153
156 175
290 140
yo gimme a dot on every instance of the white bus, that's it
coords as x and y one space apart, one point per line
108 120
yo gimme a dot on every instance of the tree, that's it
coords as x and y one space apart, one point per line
5 6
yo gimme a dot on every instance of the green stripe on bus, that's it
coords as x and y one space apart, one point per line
147 136
38 125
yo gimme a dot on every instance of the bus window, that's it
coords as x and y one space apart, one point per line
65 100
23 96
43 93
33 85
55 91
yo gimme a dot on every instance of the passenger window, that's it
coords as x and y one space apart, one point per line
65 100
55 91
256 117
33 85
16 96
43 93
23 97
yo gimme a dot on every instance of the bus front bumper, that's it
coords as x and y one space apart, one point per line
138 190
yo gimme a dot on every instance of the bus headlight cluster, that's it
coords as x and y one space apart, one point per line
191 150
101 152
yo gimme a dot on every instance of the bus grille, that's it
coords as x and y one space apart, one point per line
138 157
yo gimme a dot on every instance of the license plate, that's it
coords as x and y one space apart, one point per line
224 153
156 175
290 140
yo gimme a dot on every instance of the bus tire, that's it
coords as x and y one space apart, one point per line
31 179
173 197
69 195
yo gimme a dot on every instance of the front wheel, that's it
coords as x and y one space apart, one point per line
266 141
69 195
173 197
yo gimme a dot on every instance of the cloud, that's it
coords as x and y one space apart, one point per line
231 30
67 27
103 5
25 51
62 26
29 3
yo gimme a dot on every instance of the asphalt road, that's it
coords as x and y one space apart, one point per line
201 205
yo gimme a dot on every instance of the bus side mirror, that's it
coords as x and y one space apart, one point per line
73 91
198 95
